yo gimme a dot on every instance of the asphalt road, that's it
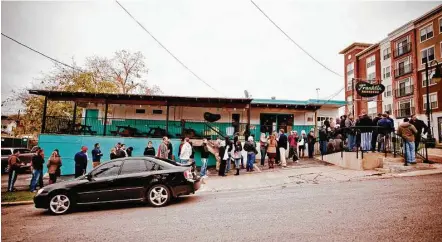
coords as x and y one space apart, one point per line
399 209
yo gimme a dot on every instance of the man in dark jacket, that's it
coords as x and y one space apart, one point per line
419 125
81 162
385 127
37 170
365 124
282 144
96 155
204 158
375 133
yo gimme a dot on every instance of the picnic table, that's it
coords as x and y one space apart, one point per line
80 129
126 131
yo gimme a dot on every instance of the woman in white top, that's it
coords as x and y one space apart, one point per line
186 152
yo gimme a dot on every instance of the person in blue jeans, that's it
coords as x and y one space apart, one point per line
37 169
250 147
407 131
323 139
351 138
229 148
204 158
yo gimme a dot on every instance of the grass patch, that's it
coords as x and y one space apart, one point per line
17 196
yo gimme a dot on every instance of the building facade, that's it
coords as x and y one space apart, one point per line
401 57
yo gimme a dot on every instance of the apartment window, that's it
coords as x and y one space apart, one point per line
403 67
440 25
426 33
402 47
140 111
371 61
427 55
433 101
371 76
388 91
350 69
424 80
405 108
349 86
387 53
349 103
404 88
387 72
387 108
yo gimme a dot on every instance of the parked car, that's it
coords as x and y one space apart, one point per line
144 179
25 157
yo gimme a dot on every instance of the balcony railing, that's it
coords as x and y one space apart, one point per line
405 112
404 49
403 70
404 91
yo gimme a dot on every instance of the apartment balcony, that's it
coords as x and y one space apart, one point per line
400 51
405 112
404 91
403 70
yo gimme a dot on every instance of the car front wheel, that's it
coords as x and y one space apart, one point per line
158 195
60 204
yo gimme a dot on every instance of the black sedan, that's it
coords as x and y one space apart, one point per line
146 179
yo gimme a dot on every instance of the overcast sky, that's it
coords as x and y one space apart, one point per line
228 43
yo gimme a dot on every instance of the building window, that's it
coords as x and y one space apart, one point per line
433 101
350 69
387 53
371 61
404 88
402 47
427 55
424 80
349 84
371 76
372 108
140 110
403 67
320 120
157 111
387 108
387 72
388 91
405 109
440 25
349 104
426 33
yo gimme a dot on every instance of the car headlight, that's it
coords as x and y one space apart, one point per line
40 191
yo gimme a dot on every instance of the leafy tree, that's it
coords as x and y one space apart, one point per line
123 73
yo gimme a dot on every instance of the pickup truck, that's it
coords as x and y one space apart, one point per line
25 157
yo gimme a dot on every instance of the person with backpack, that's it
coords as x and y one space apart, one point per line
250 147
14 165
204 158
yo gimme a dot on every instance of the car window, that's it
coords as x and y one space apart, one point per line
6 152
133 166
159 164
107 169
153 166
23 151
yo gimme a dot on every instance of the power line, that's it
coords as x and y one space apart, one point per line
38 52
294 42
168 51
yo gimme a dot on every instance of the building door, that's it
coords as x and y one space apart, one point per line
235 122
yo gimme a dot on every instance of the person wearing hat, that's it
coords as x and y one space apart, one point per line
81 162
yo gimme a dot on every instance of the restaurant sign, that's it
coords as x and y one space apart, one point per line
365 89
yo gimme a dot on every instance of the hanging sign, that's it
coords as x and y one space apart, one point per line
365 89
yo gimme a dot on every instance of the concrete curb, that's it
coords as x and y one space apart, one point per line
17 203
418 173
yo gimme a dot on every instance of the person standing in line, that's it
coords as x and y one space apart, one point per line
271 151
223 156
96 155
186 152
419 125
385 126
250 147
181 146
292 145
149 150
163 151
263 145
327 123
54 163
37 169
323 140
122 151
204 158
81 162
374 135
302 142
282 144
295 147
349 127
14 165
407 131
235 140
311 140
237 156
113 154
129 151
229 148
170 148
365 123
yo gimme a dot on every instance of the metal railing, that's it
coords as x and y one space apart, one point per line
404 91
402 50
403 70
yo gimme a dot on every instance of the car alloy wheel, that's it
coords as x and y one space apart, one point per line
158 195
59 204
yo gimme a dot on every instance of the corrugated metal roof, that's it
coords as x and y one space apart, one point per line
311 102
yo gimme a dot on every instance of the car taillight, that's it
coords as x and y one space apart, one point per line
188 174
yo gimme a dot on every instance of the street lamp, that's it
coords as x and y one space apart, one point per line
431 141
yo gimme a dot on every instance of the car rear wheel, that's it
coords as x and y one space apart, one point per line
60 204
158 195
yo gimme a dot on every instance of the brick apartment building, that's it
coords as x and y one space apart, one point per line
398 62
